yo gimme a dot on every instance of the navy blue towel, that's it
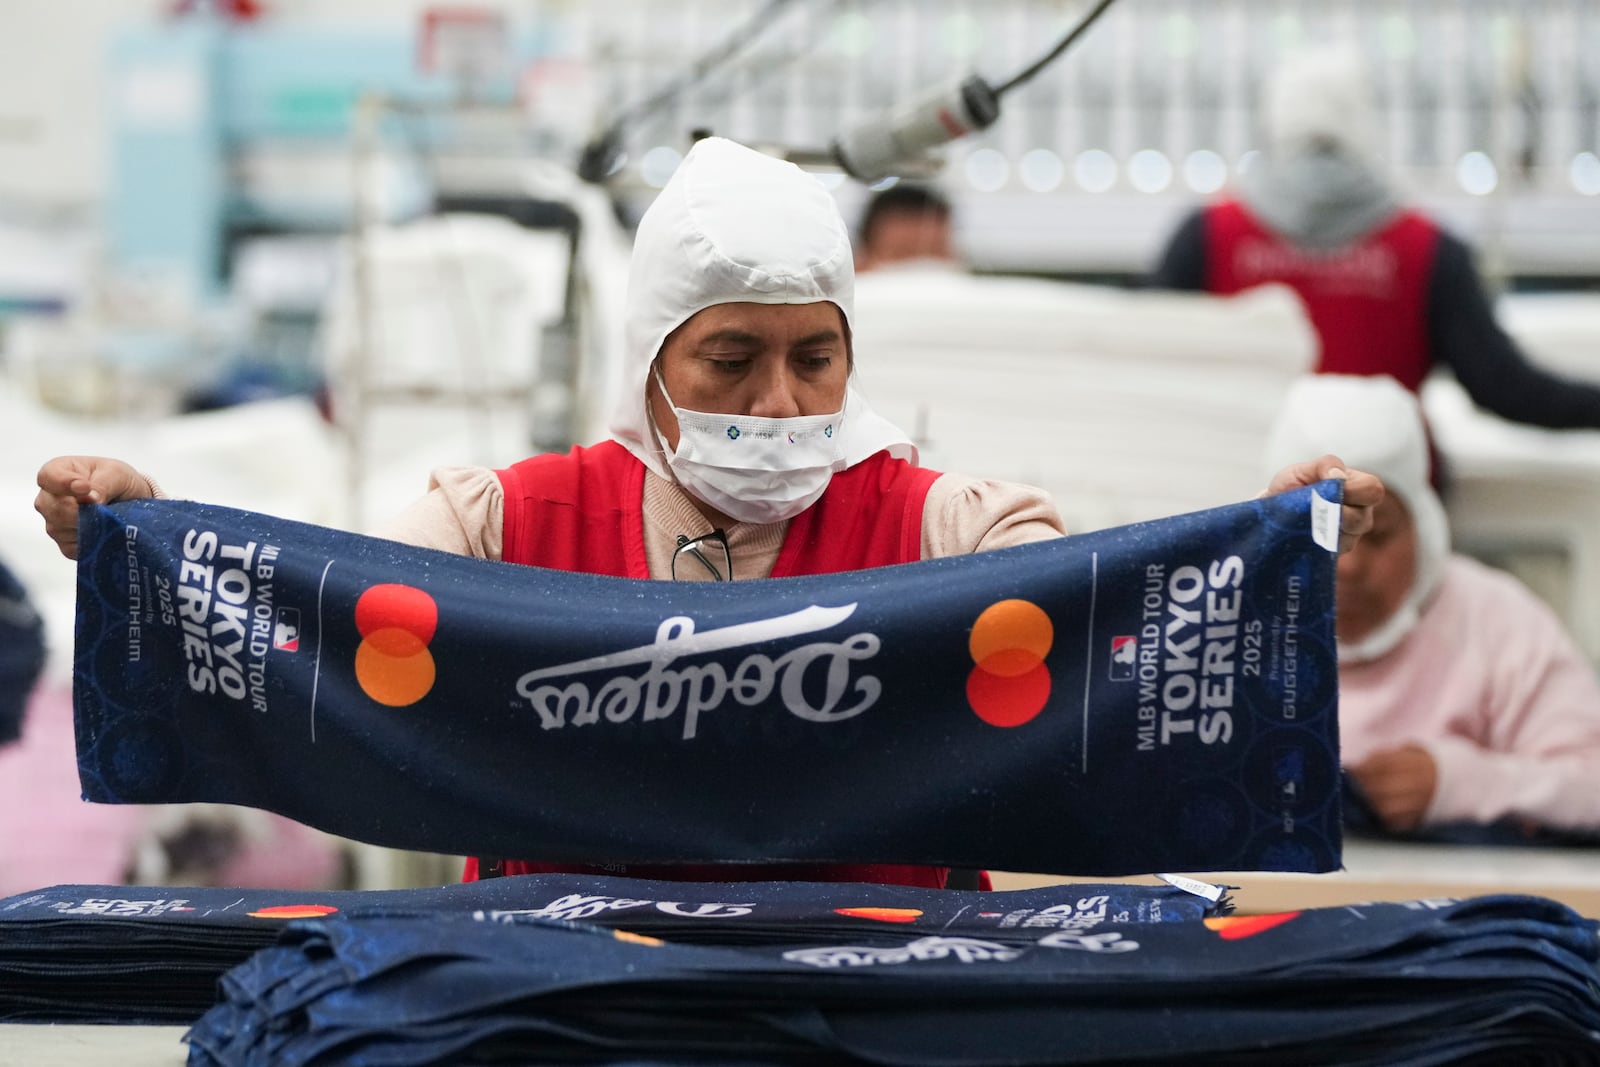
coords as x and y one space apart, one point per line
153 954
1155 697
1487 980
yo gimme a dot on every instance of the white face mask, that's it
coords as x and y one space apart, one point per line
1390 633
751 469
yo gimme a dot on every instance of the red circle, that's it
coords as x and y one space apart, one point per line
1002 701
397 606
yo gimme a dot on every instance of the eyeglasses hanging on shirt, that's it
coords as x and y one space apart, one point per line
706 558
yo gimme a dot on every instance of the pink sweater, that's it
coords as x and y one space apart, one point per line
1491 685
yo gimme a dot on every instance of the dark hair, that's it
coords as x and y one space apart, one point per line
902 198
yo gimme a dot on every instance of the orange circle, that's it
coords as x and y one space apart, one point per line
1002 701
1010 662
293 911
883 915
395 642
1236 927
1011 625
398 606
636 939
394 680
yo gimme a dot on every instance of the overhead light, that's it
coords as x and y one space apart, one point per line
1041 170
1477 173
1150 171
1094 170
1205 171
657 166
1586 173
987 170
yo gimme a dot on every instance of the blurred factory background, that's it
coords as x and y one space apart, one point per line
159 165
289 254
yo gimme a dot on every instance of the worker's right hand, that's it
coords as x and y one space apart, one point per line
68 481
1399 784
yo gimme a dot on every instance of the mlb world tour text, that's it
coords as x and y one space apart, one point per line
1192 644
223 603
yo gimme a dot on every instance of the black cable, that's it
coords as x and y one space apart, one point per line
1061 46
707 62
601 151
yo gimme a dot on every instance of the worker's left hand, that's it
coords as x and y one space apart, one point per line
1398 784
1362 491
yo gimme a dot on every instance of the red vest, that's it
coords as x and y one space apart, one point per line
1367 300
581 512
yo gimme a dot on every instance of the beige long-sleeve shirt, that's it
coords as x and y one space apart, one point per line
464 509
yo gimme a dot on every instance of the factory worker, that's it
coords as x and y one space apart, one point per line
907 226
1387 289
740 445
1462 700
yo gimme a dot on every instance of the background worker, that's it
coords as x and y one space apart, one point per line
907 225
1462 699
1387 289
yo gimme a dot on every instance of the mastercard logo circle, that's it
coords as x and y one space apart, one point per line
1010 683
393 664
1238 927
636 939
400 607
883 915
293 911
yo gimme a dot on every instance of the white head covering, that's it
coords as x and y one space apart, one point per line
1373 424
736 225
1321 182
1322 95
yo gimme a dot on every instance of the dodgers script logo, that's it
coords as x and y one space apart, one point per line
660 690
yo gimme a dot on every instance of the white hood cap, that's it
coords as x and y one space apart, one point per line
1373 424
735 225
1322 94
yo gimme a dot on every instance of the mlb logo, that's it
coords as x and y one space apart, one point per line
286 634
1124 654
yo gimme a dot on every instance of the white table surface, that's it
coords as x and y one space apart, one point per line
1382 870
51 1045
